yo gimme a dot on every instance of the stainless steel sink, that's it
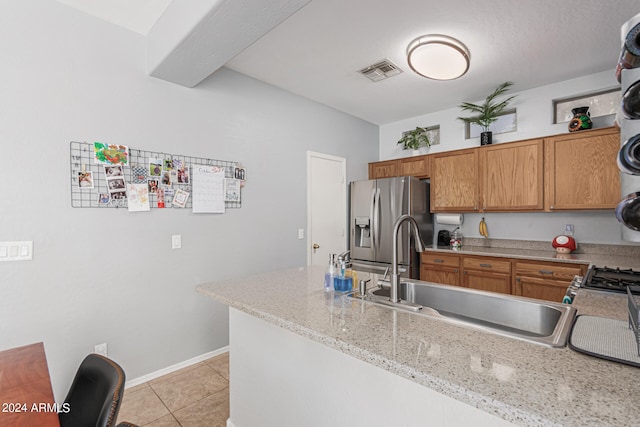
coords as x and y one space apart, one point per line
522 318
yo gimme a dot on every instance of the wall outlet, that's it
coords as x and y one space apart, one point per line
16 251
568 230
101 349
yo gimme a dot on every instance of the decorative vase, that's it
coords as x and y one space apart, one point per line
485 138
581 119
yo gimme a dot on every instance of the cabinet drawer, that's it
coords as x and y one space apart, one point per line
487 264
436 258
556 271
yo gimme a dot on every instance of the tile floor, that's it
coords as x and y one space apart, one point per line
195 396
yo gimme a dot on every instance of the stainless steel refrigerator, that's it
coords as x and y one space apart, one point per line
375 205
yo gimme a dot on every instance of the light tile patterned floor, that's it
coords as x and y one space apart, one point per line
191 397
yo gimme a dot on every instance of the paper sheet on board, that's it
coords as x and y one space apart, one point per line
208 189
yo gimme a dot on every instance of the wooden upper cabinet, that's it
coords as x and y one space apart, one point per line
454 181
386 169
512 176
418 166
581 171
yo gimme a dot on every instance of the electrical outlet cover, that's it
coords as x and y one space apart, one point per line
101 349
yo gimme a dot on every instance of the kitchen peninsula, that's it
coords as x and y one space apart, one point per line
300 356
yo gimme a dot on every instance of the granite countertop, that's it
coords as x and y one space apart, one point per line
524 383
622 256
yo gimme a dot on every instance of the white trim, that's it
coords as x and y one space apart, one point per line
343 162
229 423
169 369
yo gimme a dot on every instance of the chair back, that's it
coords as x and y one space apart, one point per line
95 394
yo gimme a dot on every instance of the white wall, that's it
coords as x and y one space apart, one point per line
535 119
107 275
319 386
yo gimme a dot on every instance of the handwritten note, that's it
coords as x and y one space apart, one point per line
208 189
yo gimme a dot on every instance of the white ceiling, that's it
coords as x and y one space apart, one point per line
317 52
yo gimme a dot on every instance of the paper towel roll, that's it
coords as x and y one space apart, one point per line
450 219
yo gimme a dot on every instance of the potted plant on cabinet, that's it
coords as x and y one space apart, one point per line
415 139
488 112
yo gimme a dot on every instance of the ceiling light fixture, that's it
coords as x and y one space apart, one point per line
438 57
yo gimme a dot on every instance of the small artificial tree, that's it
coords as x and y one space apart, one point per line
489 111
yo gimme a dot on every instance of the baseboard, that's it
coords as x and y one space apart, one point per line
229 423
169 369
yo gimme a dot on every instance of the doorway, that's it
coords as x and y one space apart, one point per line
326 207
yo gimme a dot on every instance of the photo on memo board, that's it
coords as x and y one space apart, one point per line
232 190
155 167
85 179
111 154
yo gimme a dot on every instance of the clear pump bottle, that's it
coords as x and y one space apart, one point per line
330 274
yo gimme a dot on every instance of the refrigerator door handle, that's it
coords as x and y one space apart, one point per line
376 214
373 218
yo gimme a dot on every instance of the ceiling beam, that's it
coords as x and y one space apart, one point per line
192 39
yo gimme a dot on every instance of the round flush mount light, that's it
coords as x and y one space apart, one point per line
438 57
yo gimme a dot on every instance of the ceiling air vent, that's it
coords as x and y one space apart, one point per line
381 70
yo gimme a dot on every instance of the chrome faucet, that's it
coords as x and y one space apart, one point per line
346 257
420 247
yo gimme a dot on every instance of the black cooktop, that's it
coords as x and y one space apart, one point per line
612 279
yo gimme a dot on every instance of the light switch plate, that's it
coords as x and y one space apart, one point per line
176 241
16 251
300 233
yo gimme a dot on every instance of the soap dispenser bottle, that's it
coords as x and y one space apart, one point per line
330 274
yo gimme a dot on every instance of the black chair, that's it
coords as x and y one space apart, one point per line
95 394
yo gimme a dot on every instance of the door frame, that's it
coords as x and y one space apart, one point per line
343 198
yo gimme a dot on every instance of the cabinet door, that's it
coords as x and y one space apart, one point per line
454 181
487 274
487 281
512 176
581 171
418 166
545 289
444 275
385 169
439 267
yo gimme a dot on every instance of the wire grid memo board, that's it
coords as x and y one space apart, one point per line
82 160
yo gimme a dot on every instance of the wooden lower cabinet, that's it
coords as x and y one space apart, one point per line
438 267
533 279
544 280
445 275
546 289
487 274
